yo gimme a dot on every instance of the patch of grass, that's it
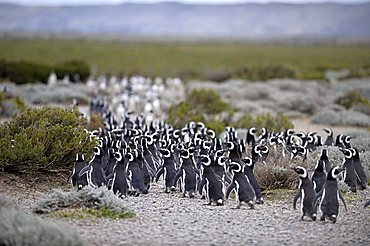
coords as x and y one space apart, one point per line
88 213
278 194
191 60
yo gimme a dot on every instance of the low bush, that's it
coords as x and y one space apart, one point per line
274 124
352 98
43 140
88 202
75 69
206 101
24 72
265 72
10 105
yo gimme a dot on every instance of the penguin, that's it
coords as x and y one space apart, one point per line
349 175
118 177
213 184
94 171
324 157
306 194
240 184
73 177
168 170
135 175
251 136
187 174
330 138
367 204
360 172
248 171
111 162
327 200
319 176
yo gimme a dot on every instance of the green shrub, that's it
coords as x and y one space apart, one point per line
24 72
73 68
265 72
206 101
84 204
180 114
274 124
11 106
45 139
352 98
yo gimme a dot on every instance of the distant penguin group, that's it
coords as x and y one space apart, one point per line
132 153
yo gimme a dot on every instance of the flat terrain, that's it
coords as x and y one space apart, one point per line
169 219
184 59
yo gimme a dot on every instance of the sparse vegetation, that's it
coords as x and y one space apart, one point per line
352 98
11 106
86 203
42 140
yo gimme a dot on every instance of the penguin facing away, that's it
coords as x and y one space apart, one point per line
327 199
330 138
168 170
118 177
94 171
74 177
319 176
186 174
350 177
240 184
306 194
360 172
248 171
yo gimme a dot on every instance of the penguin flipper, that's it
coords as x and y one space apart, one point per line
229 189
84 171
367 204
159 173
177 177
341 198
296 197
317 197
202 183
108 178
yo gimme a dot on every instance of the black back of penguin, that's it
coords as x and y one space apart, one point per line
328 198
119 177
248 171
187 174
350 177
213 183
135 175
240 184
319 176
360 172
94 171
324 157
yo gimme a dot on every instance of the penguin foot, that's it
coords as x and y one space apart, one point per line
322 218
259 200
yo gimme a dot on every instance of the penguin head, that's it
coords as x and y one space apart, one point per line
247 161
347 153
324 154
235 167
206 160
221 160
328 131
118 156
301 171
80 157
185 153
334 172
229 145
211 133
97 151
355 152
165 153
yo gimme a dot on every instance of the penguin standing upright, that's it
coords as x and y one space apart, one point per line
360 172
168 170
119 183
135 175
248 171
350 177
330 138
187 174
240 184
328 197
324 157
318 176
306 194
94 171
73 177
214 186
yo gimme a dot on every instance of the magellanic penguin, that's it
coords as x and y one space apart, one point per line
213 184
330 138
360 172
327 199
324 157
319 176
240 184
118 177
94 171
73 177
168 170
186 174
135 175
248 171
350 177
306 194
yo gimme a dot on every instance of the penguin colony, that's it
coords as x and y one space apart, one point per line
133 152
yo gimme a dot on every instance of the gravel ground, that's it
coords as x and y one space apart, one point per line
170 219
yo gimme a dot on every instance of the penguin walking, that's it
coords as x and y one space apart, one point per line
319 176
212 183
187 175
327 199
73 177
248 171
168 170
360 172
240 184
306 194
118 178
94 171
350 177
